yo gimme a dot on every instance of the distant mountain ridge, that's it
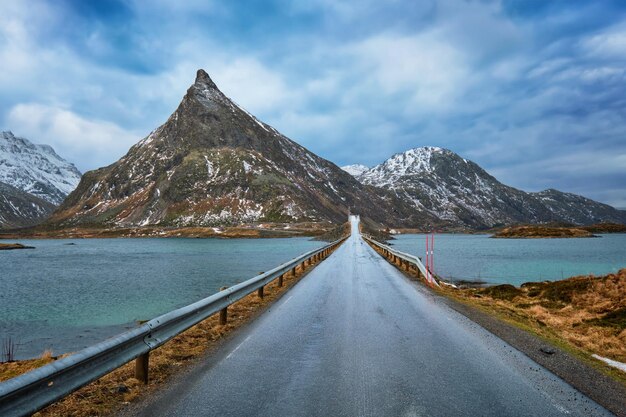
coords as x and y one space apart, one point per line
36 169
460 193
33 181
213 163
21 209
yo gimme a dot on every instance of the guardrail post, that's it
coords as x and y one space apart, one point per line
223 316
141 367
280 280
293 272
260 292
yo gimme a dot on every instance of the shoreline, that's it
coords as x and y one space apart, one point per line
230 232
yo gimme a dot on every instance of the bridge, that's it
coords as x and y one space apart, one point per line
355 337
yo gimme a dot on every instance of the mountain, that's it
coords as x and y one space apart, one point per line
214 163
356 169
21 209
36 169
577 209
439 182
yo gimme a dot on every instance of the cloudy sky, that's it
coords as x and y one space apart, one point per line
532 90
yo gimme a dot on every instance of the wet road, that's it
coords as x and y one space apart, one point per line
356 338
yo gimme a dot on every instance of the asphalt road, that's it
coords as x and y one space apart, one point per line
356 338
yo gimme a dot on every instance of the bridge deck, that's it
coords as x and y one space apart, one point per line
356 338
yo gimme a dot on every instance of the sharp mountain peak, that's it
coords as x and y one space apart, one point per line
204 80
214 163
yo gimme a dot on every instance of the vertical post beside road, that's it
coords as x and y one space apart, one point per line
280 280
223 316
260 292
141 367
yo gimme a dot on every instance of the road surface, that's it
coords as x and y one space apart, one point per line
356 338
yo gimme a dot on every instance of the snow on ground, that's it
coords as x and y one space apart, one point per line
615 364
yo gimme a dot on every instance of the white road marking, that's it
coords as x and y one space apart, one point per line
237 348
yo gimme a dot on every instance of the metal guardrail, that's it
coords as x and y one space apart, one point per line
32 391
403 259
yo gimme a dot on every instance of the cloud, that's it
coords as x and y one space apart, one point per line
527 92
86 143
429 71
608 44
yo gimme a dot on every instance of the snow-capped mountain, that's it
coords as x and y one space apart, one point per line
36 169
356 169
214 163
458 191
20 209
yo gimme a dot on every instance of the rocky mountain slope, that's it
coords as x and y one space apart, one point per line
36 169
212 163
21 209
577 209
457 191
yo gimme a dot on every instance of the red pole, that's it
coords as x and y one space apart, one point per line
427 255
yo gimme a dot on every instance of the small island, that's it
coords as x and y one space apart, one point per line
11 246
605 228
541 232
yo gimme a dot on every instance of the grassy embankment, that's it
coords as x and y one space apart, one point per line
588 312
335 233
119 388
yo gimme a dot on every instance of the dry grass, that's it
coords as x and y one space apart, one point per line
9 370
540 231
119 388
588 312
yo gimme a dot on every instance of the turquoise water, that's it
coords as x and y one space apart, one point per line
515 261
65 297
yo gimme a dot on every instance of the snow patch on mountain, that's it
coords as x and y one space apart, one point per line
36 169
355 169
415 161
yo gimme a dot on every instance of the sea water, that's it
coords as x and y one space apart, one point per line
65 295
515 261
